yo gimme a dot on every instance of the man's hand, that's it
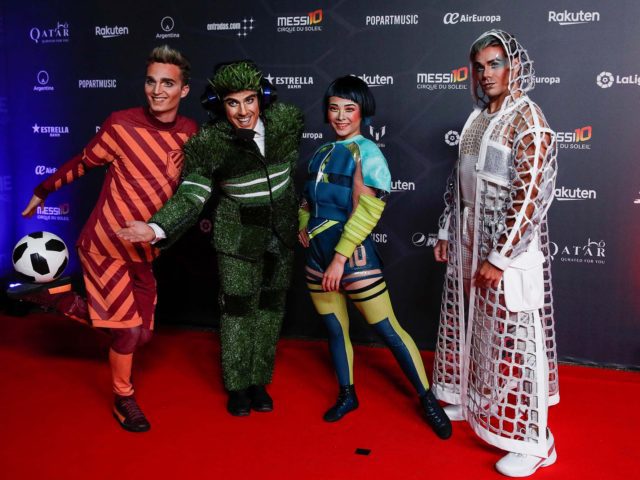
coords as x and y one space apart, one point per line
33 204
440 250
137 232
333 274
488 275
303 238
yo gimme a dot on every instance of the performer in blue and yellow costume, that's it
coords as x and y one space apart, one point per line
343 201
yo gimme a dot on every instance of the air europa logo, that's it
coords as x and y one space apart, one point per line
452 18
310 22
452 80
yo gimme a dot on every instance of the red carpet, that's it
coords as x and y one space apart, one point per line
56 421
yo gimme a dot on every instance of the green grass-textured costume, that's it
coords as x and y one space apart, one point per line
254 226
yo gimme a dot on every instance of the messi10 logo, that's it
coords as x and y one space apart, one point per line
581 134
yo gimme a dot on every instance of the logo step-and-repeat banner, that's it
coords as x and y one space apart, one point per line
67 65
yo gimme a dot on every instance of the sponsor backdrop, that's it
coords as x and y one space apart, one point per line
66 65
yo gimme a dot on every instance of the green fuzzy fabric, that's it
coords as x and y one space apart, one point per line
236 77
244 236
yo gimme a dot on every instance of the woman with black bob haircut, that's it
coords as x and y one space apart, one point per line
343 201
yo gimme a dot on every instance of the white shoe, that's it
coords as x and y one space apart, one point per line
521 465
454 412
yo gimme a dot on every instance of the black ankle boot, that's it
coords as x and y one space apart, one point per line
436 418
239 403
347 401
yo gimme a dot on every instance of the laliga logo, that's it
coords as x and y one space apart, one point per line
605 80
167 24
452 138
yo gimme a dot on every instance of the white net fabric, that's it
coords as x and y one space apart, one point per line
503 366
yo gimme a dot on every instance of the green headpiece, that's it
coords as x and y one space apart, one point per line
236 77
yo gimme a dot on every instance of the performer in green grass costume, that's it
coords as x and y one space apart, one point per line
249 154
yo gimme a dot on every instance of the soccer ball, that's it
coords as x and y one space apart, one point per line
40 257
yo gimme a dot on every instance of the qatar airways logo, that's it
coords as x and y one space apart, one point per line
573 18
588 252
452 80
453 18
577 139
310 22
564 194
57 34
294 83
608 80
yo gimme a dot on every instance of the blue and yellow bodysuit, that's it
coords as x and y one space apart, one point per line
333 208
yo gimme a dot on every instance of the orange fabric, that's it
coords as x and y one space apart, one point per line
121 373
120 294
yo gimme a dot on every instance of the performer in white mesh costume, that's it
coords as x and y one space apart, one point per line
495 356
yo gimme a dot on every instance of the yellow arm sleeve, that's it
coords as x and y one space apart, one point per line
360 225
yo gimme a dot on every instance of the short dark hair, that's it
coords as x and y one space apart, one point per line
166 54
351 88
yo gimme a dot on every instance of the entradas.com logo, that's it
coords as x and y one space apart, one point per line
577 139
57 34
573 18
452 80
591 252
452 138
238 28
290 82
608 80
452 18
52 131
310 22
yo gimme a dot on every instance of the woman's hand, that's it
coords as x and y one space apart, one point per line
440 250
333 273
303 238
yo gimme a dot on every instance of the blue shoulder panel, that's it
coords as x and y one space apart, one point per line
375 170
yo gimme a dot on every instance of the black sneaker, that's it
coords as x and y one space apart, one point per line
436 418
347 402
127 412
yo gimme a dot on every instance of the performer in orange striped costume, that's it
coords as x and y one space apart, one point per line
142 149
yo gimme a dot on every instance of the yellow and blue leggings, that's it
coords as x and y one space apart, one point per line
363 282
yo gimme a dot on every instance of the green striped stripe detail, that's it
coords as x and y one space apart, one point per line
327 224
253 189
196 187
